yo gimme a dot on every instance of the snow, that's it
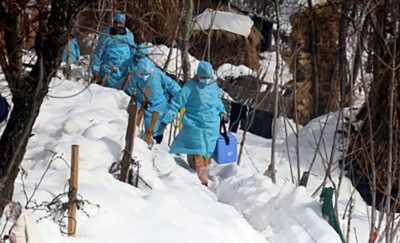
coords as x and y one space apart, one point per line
227 21
170 204
159 55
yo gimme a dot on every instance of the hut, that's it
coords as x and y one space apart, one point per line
225 37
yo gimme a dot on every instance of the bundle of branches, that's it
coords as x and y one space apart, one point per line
94 19
299 60
227 47
246 91
364 163
154 21
303 100
90 20
200 6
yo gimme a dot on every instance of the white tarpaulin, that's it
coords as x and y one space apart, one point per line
232 22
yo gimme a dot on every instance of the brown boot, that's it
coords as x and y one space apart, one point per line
202 173
201 163
190 160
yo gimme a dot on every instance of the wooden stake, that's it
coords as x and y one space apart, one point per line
126 81
149 132
68 63
171 127
141 110
73 189
104 80
304 178
129 143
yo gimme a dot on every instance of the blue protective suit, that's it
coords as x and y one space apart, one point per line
75 53
160 85
201 120
119 17
112 50
129 66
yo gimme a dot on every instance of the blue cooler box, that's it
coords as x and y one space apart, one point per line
223 153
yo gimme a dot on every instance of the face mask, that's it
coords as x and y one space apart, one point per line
205 81
145 77
117 31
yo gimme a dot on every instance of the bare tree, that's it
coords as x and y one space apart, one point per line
314 61
373 152
271 167
28 88
185 35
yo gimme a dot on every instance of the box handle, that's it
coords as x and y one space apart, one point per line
224 133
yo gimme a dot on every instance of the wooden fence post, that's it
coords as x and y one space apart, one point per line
149 132
126 81
129 142
73 189
141 110
103 81
170 133
68 62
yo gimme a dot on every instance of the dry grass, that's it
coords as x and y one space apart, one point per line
154 21
359 154
227 47
299 61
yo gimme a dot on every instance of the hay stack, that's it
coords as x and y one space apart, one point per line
246 91
227 47
154 21
303 101
327 30
359 154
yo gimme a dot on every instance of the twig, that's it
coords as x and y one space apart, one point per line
53 158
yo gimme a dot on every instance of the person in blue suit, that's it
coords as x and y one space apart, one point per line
129 66
201 98
114 46
148 75
141 51
74 51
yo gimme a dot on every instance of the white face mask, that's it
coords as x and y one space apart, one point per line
145 77
205 81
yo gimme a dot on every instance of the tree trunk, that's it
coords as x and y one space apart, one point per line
185 36
314 61
29 91
14 140
342 61
271 167
68 62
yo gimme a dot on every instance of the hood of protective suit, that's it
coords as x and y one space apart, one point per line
119 17
145 66
205 70
141 50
